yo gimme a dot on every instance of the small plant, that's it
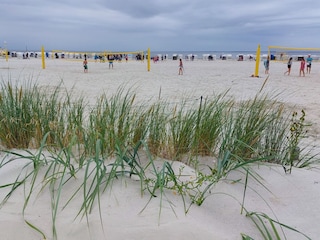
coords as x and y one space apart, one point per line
297 132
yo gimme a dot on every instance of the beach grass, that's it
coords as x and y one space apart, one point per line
68 136
269 228
260 127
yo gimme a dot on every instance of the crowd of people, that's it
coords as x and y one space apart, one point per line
303 63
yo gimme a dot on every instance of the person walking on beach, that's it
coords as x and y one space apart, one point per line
85 66
289 66
266 65
309 61
110 59
302 66
180 67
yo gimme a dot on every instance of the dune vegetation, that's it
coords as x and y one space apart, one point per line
59 132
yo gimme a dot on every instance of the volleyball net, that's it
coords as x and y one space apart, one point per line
280 53
101 55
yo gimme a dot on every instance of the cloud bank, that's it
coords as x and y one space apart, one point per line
160 25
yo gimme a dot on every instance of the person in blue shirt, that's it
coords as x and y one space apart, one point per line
309 61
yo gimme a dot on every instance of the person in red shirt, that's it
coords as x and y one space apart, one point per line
302 66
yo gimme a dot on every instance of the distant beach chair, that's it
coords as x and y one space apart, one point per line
212 57
209 57
251 57
240 57
191 57
226 57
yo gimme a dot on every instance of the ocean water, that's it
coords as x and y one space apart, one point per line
199 54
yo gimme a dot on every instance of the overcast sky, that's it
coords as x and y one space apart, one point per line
176 25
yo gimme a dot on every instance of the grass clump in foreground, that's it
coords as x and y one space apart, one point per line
70 137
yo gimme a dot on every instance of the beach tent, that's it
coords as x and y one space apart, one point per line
212 57
240 57
37 54
177 56
14 54
67 55
191 57
250 57
205 56
245 57
209 57
226 57
20 54
164 56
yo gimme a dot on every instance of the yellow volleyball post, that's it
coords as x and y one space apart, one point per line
148 59
256 72
43 58
6 53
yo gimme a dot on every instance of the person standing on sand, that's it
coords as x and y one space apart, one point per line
180 67
289 66
309 61
302 66
110 59
85 65
266 65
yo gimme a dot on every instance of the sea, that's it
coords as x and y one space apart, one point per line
201 53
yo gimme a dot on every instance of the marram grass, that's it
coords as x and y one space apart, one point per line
257 128
78 137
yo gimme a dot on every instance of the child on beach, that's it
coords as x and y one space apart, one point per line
85 65
289 66
302 66
180 67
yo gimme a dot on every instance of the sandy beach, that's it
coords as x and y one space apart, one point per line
292 199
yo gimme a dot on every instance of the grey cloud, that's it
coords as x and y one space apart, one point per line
142 8
160 24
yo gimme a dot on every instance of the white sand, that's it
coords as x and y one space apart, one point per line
292 199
